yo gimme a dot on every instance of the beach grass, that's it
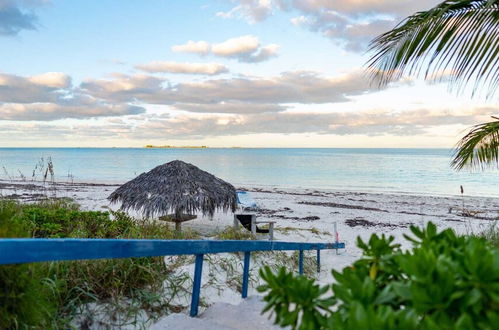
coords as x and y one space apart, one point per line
231 233
491 234
50 294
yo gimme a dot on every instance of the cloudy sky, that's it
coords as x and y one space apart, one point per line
254 73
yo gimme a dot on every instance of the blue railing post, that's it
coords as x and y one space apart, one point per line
27 250
318 260
196 287
300 263
244 292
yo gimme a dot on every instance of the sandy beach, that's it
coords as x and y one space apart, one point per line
301 215
308 215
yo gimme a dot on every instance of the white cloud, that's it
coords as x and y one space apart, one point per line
51 79
379 122
244 49
251 10
229 107
349 23
50 96
53 111
40 88
236 46
290 87
179 67
195 47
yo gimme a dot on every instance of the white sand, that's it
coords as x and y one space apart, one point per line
356 213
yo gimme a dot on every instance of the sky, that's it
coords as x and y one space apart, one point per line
221 73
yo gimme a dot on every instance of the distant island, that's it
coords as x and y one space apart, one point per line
173 147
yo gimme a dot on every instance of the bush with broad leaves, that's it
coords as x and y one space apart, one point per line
444 282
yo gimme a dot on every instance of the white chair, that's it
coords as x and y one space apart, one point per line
248 218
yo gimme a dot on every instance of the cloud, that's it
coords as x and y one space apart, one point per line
229 107
51 80
251 10
41 88
50 96
243 49
290 87
349 23
178 67
365 7
53 111
351 36
369 122
195 47
16 16
236 46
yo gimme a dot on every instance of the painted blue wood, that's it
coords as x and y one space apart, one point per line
318 260
300 263
24 250
246 268
196 286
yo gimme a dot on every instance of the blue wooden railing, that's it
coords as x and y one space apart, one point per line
16 250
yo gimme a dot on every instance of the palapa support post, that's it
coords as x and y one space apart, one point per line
253 224
244 291
300 262
196 287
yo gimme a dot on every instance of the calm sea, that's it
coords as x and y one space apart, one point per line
388 170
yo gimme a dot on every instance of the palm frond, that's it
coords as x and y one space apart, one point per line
459 37
478 148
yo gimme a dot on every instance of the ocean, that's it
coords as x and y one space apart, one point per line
422 171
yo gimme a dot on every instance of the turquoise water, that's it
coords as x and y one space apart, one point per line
392 170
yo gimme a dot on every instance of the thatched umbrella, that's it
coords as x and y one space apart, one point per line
178 188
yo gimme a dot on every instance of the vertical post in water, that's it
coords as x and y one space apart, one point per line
244 292
336 238
300 262
196 287
318 260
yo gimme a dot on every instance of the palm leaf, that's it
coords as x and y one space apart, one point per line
479 148
459 37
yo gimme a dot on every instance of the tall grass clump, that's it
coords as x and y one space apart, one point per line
231 233
444 282
491 234
51 294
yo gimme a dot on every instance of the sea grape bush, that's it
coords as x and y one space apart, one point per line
444 282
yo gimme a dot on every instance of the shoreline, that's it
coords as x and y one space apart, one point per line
251 187
354 204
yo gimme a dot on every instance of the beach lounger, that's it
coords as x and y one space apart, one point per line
248 218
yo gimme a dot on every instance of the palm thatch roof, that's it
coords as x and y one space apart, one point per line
176 187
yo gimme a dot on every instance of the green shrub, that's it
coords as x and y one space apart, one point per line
444 282
25 300
48 295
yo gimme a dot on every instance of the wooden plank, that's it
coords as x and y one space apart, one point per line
246 268
24 250
300 262
196 285
318 261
